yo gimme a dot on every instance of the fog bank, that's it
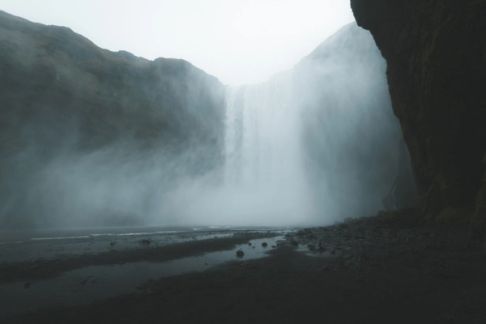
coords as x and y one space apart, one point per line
95 138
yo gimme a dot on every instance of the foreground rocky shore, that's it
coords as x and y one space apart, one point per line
385 269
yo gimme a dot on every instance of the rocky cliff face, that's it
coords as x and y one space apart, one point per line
436 54
64 99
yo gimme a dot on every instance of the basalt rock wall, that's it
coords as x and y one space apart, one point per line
436 54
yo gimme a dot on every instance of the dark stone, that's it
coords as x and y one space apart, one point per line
436 54
146 242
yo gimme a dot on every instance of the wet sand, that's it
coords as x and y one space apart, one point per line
385 269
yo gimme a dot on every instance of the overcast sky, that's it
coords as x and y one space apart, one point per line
238 41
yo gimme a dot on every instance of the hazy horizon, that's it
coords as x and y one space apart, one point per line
239 42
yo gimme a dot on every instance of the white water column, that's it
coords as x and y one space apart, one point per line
264 167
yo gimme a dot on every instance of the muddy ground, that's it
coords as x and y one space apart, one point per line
385 269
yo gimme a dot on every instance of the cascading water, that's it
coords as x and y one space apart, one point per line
314 145
264 165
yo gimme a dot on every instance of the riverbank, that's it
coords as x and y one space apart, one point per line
385 269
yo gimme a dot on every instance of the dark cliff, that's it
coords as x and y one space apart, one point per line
62 97
436 54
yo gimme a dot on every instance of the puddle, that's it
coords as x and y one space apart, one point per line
94 283
51 248
45 246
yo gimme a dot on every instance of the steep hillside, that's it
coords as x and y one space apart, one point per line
61 96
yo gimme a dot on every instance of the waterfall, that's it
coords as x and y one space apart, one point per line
264 165
314 145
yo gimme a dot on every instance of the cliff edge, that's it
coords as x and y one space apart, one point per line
436 54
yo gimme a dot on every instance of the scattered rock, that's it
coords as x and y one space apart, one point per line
145 242
325 268
87 280
240 254
322 247
264 244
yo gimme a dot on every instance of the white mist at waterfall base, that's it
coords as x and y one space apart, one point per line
263 181
313 145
